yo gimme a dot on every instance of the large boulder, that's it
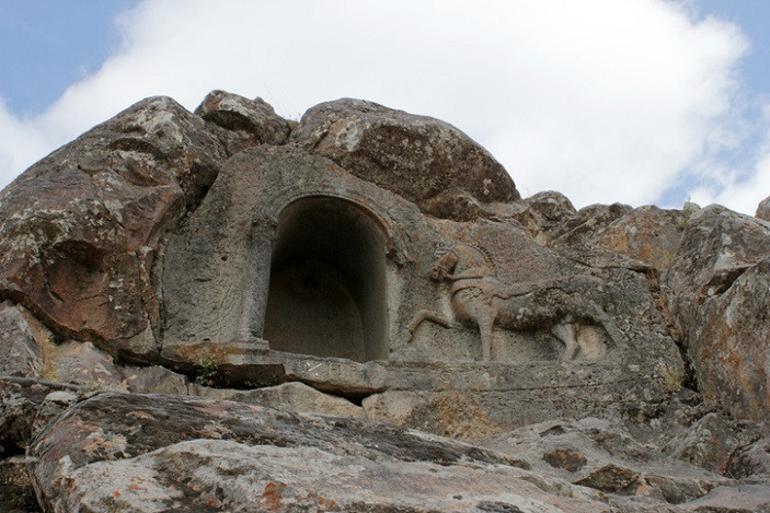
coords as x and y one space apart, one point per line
417 157
719 292
709 443
763 210
251 122
648 234
79 230
752 459
82 363
142 256
142 453
19 351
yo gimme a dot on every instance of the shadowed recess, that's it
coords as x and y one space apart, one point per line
327 293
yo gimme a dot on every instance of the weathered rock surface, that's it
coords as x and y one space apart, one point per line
648 234
16 489
751 460
253 122
154 379
82 363
634 470
19 352
709 443
300 398
763 210
79 230
228 311
158 452
719 291
152 453
414 156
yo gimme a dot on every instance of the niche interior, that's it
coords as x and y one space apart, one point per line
327 293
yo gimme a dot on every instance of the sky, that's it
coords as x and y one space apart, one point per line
637 101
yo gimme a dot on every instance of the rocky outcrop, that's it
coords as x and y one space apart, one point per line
80 229
248 122
763 210
751 460
719 290
196 454
134 452
19 351
228 311
648 234
416 157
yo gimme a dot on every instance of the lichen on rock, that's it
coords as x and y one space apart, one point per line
225 310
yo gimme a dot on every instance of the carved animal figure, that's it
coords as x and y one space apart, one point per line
480 298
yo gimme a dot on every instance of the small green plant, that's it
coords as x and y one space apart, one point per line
209 368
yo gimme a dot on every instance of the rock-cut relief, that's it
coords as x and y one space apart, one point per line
569 307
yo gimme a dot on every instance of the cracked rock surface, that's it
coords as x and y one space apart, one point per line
628 367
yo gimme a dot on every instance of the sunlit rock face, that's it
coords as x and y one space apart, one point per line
327 303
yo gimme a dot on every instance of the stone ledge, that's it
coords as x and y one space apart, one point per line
249 364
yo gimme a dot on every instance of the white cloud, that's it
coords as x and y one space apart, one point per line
737 188
21 144
602 100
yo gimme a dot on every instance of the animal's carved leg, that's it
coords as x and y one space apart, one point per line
426 315
599 316
565 332
486 323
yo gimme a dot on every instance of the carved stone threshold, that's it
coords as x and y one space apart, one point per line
248 364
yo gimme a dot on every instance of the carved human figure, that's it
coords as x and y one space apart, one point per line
479 297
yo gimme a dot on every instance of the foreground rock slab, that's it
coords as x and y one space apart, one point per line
152 453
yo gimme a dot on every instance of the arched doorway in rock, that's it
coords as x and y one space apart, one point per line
327 294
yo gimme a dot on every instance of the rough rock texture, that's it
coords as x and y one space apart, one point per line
79 230
752 459
416 157
763 210
719 290
154 379
16 488
150 453
82 363
647 234
634 468
252 122
19 352
710 443
297 397
228 311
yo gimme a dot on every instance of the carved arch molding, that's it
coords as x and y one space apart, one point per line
291 254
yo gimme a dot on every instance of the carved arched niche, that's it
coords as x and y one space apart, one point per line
327 291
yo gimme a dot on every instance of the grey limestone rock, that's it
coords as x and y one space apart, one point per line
252 122
229 311
751 460
763 210
19 352
84 364
718 288
154 379
414 156
301 398
254 459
